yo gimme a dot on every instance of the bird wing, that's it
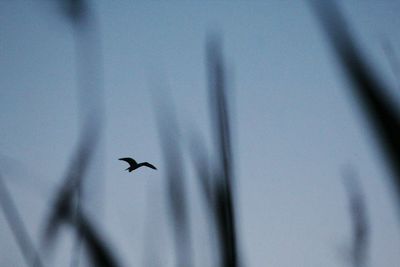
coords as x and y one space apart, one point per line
130 161
148 165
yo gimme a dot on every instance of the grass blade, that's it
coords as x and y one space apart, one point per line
381 112
358 212
223 175
18 228
176 184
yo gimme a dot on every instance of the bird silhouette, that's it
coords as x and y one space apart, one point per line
133 165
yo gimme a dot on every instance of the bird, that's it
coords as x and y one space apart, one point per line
133 165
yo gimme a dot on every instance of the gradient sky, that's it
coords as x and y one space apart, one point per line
296 125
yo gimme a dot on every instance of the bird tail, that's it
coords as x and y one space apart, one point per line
127 169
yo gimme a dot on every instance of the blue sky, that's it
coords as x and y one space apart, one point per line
296 124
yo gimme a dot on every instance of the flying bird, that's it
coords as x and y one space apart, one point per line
133 165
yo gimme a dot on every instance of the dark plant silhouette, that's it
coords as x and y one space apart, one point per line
216 176
91 101
359 220
62 208
223 172
18 228
382 113
178 200
63 211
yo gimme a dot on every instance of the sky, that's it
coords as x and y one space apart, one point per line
295 124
